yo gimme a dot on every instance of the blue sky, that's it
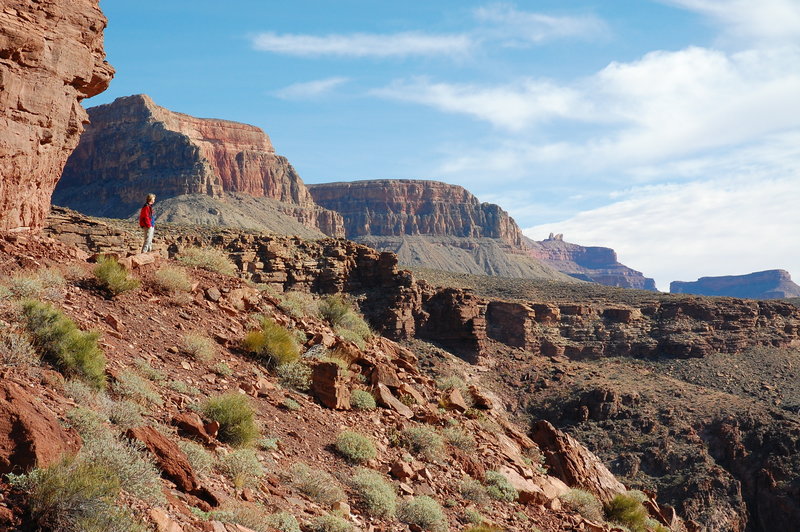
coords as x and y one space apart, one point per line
668 130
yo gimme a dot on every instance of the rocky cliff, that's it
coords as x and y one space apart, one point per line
589 263
51 58
133 147
769 284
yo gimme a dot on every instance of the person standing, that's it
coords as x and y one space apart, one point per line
147 222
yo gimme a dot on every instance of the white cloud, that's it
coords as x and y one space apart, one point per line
505 23
364 44
310 89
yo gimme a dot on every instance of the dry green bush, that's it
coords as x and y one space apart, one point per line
199 346
345 320
291 405
460 439
317 484
125 414
424 512
137 389
299 304
172 279
211 259
422 442
283 522
236 418
472 490
584 503
44 284
354 447
242 467
498 487
201 460
627 509
272 343
16 350
59 341
182 387
330 523
374 493
222 369
89 423
148 371
295 375
112 277
362 400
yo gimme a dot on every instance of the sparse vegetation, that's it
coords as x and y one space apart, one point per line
268 444
125 414
242 467
473 491
299 304
283 522
112 277
148 371
86 421
211 259
317 484
272 343
330 523
222 369
460 439
355 448
16 350
374 493
182 387
201 460
345 320
584 503
362 400
235 416
139 390
44 284
422 442
172 279
295 375
471 515
60 342
627 509
423 512
199 346
291 405
498 487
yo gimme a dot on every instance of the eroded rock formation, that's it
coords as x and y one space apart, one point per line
51 58
134 147
769 284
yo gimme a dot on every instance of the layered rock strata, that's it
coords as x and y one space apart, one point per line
134 147
769 284
588 263
51 58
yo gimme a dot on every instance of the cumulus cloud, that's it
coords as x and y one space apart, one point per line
364 44
310 89
505 23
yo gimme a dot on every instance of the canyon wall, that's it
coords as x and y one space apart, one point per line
769 284
51 58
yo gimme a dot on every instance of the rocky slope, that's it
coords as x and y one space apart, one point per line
51 58
592 263
769 284
133 147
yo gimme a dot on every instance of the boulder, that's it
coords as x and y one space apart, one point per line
329 385
170 459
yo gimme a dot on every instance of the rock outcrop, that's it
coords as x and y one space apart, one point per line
769 284
588 263
51 58
133 147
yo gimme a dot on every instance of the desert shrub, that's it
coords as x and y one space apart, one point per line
295 375
148 371
355 448
423 512
627 510
125 414
242 467
199 346
460 439
132 386
450 382
492 528
42 284
655 526
268 444
235 416
471 515
333 309
330 523
82 393
283 522
182 387
172 279
473 491
291 405
201 460
222 369
374 493
112 277
75 496
86 421
272 343
211 259
299 304
59 341
317 484
362 400
498 487
345 320
16 350
584 503
423 442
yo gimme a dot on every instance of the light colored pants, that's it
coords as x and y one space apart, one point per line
148 239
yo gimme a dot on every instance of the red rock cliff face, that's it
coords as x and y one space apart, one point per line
415 207
51 57
134 147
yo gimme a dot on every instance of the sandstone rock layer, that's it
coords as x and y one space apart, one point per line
769 284
51 58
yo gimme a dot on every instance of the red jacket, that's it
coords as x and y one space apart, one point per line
146 217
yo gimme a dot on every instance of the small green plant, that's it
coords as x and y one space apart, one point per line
43 284
291 405
222 369
299 304
172 279
492 528
235 416
199 346
423 512
211 259
330 523
584 503
460 439
655 526
498 487
318 485
283 522
449 383
112 277
362 400
59 341
272 343
374 493
131 386
422 442
473 491
201 460
355 448
471 515
86 421
125 414
295 375
148 371
268 444
182 387
333 309
627 510
242 467
344 319
16 350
